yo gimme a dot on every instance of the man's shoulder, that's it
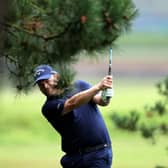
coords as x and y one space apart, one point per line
53 104
82 85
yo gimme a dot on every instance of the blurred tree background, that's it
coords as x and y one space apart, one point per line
54 31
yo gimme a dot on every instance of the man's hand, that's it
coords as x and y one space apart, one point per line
105 83
87 95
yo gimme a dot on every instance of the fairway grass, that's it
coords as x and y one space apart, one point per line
28 141
130 151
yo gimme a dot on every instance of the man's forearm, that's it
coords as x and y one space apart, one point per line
80 98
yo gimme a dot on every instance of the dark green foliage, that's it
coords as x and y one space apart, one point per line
159 109
148 131
161 166
163 88
54 31
164 128
66 75
127 122
150 128
161 106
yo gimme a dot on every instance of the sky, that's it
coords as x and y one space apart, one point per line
153 16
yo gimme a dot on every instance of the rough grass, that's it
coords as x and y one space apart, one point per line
27 140
129 150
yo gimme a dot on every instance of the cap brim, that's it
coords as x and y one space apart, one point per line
42 78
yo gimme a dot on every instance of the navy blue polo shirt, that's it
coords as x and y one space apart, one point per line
83 127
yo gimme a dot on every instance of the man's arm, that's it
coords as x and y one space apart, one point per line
98 100
85 96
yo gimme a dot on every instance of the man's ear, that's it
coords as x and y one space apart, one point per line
55 80
56 76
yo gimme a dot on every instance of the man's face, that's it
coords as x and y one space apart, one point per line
49 86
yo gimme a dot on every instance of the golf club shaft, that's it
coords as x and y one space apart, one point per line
109 91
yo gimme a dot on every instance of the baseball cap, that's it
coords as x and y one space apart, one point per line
43 72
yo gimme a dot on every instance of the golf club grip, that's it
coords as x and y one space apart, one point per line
109 71
110 68
109 91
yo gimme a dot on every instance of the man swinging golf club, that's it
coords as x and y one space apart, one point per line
75 116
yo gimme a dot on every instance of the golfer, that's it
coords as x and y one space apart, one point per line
74 114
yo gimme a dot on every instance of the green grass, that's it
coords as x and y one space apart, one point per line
27 140
132 151
129 150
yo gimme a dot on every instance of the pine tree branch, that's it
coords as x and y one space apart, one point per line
37 7
5 28
9 57
9 67
44 37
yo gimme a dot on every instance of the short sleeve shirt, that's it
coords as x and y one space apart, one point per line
82 127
